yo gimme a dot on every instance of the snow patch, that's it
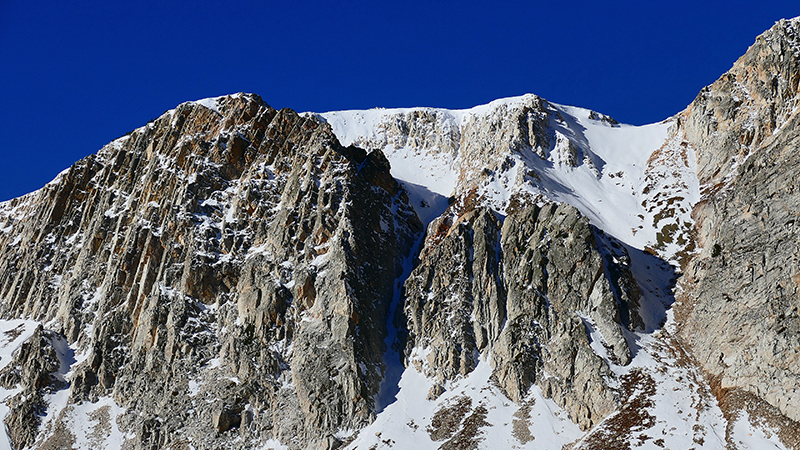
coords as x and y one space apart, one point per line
210 103
606 185
406 422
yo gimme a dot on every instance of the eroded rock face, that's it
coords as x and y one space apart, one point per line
228 269
742 110
424 130
484 287
740 306
526 292
484 144
33 370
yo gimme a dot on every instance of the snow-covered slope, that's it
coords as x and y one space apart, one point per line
608 185
667 404
636 183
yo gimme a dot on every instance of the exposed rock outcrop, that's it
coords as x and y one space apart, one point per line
526 292
34 370
740 297
743 110
484 144
234 248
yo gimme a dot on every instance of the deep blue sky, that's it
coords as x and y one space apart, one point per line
75 75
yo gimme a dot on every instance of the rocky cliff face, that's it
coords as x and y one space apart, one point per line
504 273
224 267
740 309
237 264
507 142
229 276
524 292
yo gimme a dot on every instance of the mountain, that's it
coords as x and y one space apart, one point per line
521 274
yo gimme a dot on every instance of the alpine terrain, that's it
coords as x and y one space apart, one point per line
519 275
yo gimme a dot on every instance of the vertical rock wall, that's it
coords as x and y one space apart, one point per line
225 268
739 311
526 293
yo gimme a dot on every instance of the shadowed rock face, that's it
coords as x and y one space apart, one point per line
740 309
525 291
244 249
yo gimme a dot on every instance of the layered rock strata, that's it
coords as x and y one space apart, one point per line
740 296
227 269
525 292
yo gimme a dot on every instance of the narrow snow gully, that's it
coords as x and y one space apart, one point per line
395 340
428 206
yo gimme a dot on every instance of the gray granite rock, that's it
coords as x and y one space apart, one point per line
241 250
739 308
525 292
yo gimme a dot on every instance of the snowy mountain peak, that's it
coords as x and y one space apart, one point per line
527 150
232 276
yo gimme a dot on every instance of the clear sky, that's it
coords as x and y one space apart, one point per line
76 75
